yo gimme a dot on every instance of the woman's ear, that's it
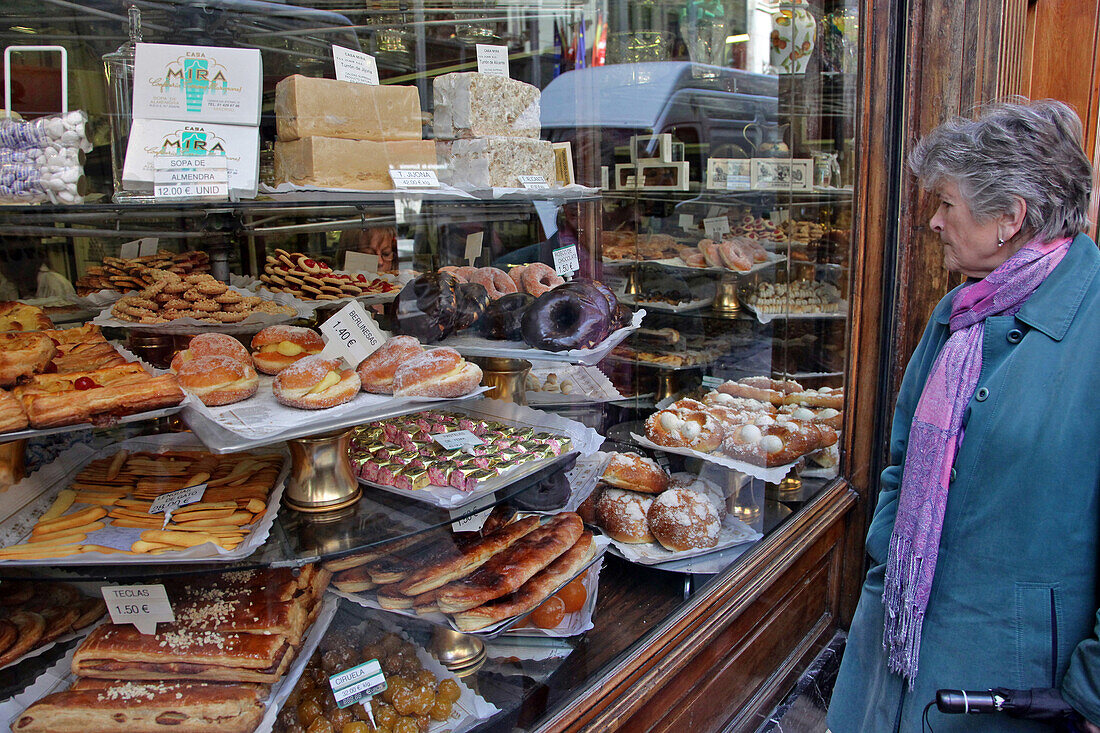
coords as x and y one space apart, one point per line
1012 221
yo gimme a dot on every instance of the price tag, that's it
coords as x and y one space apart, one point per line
352 334
712 382
457 439
533 182
473 246
687 221
201 177
173 500
492 59
360 262
565 260
414 179
779 215
358 683
144 606
138 248
354 66
716 226
482 508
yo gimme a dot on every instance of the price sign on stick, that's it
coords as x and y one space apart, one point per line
566 261
473 247
173 500
354 66
358 683
201 177
360 262
144 606
352 335
533 182
492 59
716 226
457 439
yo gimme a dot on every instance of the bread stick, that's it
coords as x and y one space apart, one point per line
256 506
236 519
202 506
43 554
116 463
181 539
76 519
52 542
146 546
81 531
60 505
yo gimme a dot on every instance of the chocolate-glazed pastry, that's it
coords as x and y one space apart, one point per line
427 307
503 319
550 493
473 299
571 316
623 317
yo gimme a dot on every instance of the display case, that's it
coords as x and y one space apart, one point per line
605 484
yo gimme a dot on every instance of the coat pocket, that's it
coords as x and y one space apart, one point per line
1037 621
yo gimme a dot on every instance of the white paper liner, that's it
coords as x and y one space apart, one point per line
676 262
710 564
840 312
471 345
59 676
577 622
367 599
262 416
187 326
691 305
291 192
472 708
771 475
589 385
98 300
257 287
31 497
583 478
585 441
733 532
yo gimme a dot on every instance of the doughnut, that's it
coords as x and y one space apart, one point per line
439 373
277 347
495 281
683 520
218 379
452 270
635 472
693 429
516 272
573 316
624 515
427 307
709 250
211 344
314 383
735 256
538 278
503 318
377 370
473 299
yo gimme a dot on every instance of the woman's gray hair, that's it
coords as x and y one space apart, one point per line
1027 149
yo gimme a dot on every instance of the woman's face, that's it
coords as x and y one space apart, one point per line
969 246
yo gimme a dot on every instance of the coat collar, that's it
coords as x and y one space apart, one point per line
1054 304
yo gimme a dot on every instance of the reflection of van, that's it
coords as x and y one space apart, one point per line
704 107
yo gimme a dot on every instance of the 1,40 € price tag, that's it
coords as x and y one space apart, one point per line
144 606
355 684
352 335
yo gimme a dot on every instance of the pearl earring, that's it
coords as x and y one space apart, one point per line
1000 242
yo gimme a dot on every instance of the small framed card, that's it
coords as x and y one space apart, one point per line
651 147
662 176
783 174
729 174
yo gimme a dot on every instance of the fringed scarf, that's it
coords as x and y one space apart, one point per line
934 439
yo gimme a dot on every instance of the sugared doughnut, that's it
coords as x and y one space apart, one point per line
218 379
635 472
211 344
516 272
465 273
277 347
315 383
683 520
624 515
693 429
452 270
495 281
377 370
537 278
734 255
439 373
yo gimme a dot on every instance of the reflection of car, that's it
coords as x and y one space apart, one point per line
704 107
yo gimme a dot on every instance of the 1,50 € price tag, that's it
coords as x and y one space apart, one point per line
352 335
355 684
144 606
565 260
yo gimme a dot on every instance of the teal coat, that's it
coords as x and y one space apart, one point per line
1015 597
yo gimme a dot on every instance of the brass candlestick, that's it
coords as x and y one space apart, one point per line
725 297
462 654
790 483
667 385
320 477
508 377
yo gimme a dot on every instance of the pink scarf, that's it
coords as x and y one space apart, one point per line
934 439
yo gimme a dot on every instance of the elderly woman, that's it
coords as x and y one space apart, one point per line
985 544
